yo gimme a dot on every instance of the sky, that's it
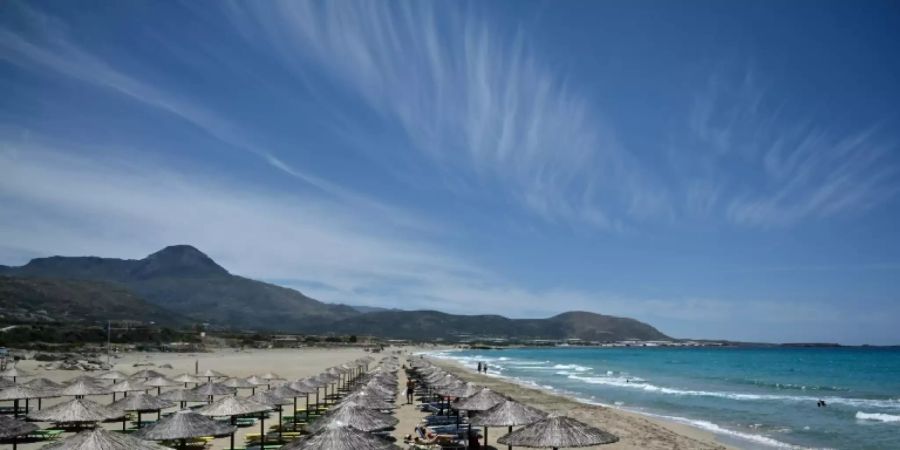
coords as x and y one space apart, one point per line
723 170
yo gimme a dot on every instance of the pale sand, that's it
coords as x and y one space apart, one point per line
289 363
634 431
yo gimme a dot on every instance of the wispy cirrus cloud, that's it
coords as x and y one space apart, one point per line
52 48
763 167
475 99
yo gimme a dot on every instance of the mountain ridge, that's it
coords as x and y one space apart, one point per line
184 280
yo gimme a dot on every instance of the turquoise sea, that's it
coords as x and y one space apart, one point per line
754 398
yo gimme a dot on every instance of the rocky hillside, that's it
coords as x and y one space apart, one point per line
187 282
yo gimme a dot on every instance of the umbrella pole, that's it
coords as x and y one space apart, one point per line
16 408
124 422
280 424
233 421
139 420
158 415
39 403
295 414
184 444
262 431
307 408
509 447
485 437
26 405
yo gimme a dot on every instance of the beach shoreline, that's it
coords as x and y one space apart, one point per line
635 430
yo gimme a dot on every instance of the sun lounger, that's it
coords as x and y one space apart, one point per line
50 433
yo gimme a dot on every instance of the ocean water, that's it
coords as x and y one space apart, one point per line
754 398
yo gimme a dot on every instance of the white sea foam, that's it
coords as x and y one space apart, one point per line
639 384
574 367
713 428
887 418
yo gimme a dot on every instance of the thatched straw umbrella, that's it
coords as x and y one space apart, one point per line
351 414
87 379
462 390
43 384
270 377
285 391
47 387
77 411
80 388
232 407
211 389
339 436
184 425
255 381
127 386
159 383
507 413
367 400
306 388
141 403
483 400
100 439
17 393
209 374
238 383
14 373
327 379
274 401
182 396
113 375
147 374
13 428
378 390
558 432
187 378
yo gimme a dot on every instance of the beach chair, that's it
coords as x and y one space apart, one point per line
47 434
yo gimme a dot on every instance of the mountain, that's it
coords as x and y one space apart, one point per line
184 280
435 324
189 283
45 299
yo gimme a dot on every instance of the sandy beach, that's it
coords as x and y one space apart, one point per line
635 431
289 363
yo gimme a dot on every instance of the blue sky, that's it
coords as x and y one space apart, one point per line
718 169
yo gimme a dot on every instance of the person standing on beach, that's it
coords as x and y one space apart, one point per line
410 390
479 366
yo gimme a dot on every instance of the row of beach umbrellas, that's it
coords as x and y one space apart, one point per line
184 425
487 408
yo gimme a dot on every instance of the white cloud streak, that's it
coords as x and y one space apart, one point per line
476 101
762 168
57 52
120 206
